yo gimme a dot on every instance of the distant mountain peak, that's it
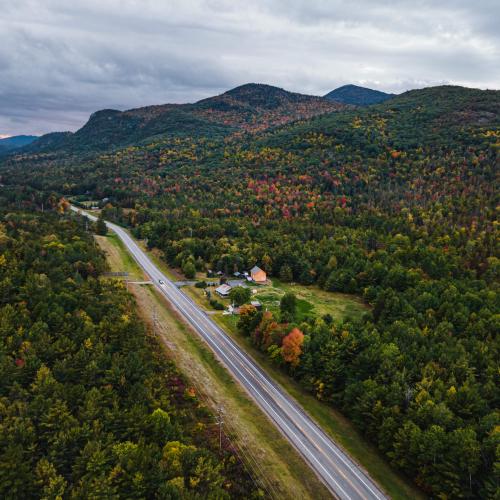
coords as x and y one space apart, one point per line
11 143
252 86
261 95
359 96
256 89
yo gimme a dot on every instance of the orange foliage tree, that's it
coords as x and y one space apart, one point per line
292 347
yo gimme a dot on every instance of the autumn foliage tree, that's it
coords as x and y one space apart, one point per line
249 319
291 348
63 205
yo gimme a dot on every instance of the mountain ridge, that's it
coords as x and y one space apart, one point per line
8 144
247 108
358 96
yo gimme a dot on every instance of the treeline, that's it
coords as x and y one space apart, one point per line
89 406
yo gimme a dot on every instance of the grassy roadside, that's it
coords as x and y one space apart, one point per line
198 295
278 468
156 256
118 258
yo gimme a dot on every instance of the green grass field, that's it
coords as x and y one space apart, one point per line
312 301
118 258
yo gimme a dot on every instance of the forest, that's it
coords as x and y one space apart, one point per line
396 203
90 407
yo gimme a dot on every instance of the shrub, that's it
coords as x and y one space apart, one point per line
217 305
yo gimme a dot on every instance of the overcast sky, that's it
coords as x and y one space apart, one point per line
60 60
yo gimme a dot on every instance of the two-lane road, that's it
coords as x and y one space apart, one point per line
344 478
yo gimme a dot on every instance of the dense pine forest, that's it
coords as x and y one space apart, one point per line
89 406
396 203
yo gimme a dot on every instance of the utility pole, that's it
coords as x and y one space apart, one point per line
155 321
220 421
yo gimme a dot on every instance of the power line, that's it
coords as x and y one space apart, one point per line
245 455
220 422
155 321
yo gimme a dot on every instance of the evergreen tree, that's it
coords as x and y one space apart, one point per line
288 307
100 226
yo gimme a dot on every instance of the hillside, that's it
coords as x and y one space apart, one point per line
358 96
256 107
15 142
394 203
249 108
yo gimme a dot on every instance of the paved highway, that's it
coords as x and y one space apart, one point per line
344 478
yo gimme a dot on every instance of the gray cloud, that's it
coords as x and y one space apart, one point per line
60 60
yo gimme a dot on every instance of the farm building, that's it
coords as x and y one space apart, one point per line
258 275
223 290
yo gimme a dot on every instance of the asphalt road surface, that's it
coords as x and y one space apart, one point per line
343 477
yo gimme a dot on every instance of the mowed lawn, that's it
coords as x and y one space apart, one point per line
312 301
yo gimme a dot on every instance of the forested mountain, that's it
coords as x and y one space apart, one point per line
89 406
247 108
358 96
8 144
395 202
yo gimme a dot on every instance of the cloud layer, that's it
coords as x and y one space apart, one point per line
60 60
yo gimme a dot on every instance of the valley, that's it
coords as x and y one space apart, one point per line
393 203
249 250
338 472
